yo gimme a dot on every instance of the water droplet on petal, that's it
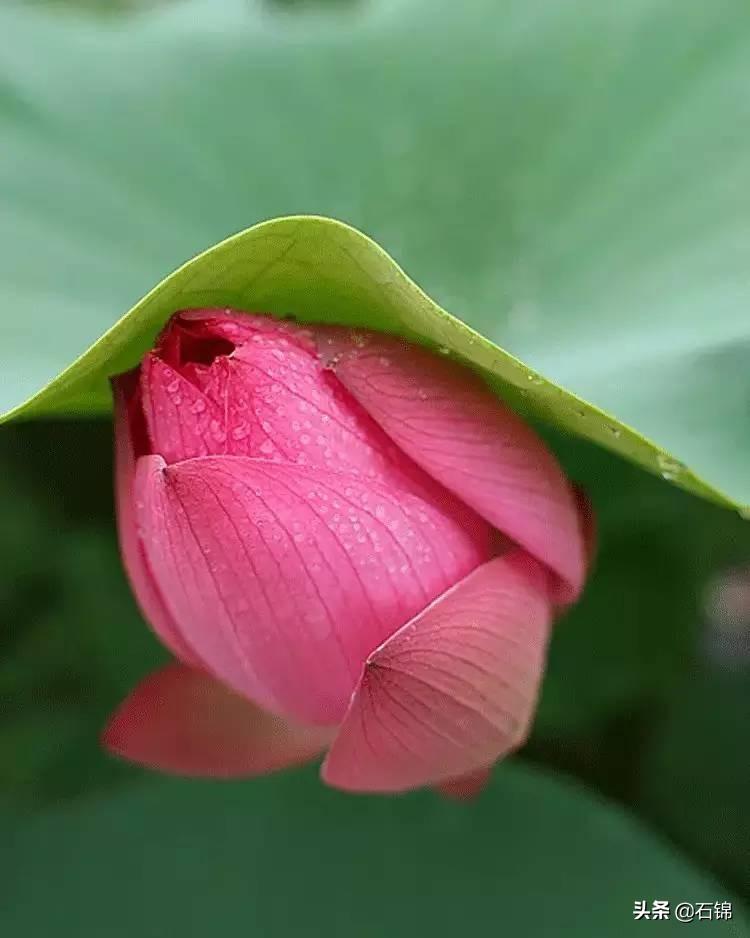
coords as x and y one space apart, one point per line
217 431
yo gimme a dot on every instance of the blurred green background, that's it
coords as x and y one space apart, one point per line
635 783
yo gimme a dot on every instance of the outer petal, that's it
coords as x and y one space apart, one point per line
127 408
466 787
182 721
284 578
454 689
449 423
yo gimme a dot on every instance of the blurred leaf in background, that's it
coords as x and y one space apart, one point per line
283 856
703 731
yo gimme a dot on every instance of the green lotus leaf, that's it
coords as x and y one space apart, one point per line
570 179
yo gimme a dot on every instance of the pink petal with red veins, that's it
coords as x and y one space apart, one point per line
182 421
466 787
147 594
454 689
182 721
449 423
284 577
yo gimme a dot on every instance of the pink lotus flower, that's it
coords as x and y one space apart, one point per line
348 543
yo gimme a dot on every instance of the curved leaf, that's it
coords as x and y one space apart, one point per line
321 270
572 179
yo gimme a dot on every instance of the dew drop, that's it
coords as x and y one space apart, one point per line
669 468
198 407
219 434
266 446
173 386
614 431
422 394
442 350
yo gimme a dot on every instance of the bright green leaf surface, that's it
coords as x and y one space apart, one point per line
571 178
284 856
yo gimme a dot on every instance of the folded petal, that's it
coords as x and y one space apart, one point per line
450 424
182 721
224 383
127 412
454 689
284 578
182 421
